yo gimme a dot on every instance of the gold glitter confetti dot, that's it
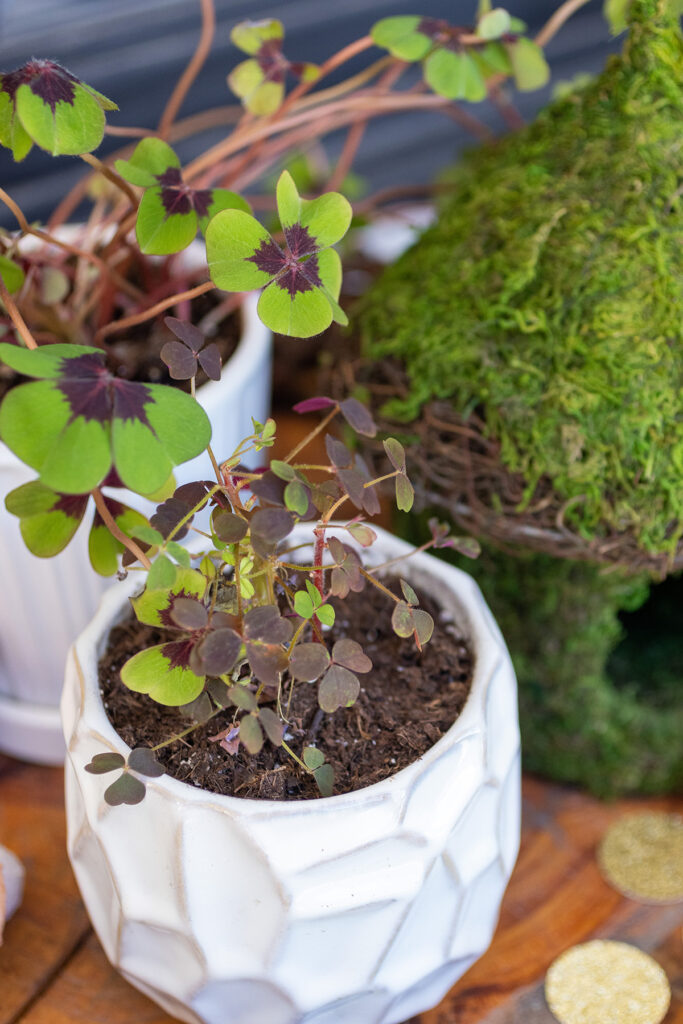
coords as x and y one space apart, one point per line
607 983
641 855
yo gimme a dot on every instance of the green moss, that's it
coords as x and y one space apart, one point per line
598 706
550 294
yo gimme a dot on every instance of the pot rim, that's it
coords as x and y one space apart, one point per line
467 605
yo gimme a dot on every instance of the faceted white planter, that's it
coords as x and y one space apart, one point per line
45 603
363 908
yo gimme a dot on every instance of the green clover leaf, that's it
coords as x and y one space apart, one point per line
44 103
79 420
457 66
170 211
11 273
301 280
48 520
260 81
103 548
163 673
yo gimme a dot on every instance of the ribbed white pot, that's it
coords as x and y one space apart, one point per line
363 908
45 603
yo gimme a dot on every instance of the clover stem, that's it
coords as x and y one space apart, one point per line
336 60
196 508
352 109
124 285
380 586
318 553
238 585
16 317
192 70
115 530
347 155
148 314
214 463
394 561
186 732
507 109
337 504
111 176
380 479
298 760
557 20
311 434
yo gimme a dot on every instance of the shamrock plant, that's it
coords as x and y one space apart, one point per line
84 286
260 81
459 62
170 212
48 521
43 103
249 614
249 618
301 278
90 421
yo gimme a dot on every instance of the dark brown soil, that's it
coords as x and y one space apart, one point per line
407 702
136 354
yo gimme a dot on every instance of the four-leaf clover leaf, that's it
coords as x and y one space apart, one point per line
170 211
44 103
78 419
48 520
302 278
260 81
457 61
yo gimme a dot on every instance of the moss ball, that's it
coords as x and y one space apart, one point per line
548 297
599 666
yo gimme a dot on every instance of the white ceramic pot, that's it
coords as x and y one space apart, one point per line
363 908
45 603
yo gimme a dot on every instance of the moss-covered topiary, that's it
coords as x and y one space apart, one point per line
549 295
581 720
592 711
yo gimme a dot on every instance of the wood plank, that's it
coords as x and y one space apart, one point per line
556 898
51 921
89 991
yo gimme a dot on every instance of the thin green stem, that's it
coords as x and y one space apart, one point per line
197 508
380 586
296 757
186 732
313 433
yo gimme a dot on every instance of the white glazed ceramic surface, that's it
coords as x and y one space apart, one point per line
363 908
45 603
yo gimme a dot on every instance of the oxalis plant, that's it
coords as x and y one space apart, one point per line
246 619
68 299
89 284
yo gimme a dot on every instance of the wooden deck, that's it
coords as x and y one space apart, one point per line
53 971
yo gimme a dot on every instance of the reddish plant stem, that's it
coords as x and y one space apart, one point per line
352 108
27 228
148 314
318 553
111 176
16 317
508 111
331 64
192 70
116 532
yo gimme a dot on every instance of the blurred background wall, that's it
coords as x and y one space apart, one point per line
133 51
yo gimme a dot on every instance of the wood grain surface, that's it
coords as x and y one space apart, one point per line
53 971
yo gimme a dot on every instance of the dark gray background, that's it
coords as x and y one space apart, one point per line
133 50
